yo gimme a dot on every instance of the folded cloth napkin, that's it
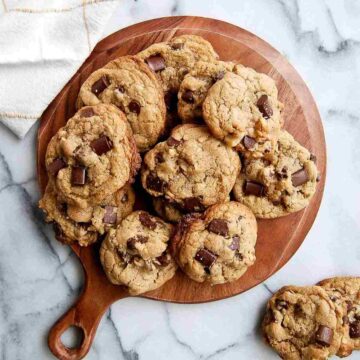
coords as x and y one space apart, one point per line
42 44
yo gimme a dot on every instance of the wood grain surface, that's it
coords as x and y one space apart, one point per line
278 239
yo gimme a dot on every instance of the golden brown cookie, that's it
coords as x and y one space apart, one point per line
218 246
92 156
136 253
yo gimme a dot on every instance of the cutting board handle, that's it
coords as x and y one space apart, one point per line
86 313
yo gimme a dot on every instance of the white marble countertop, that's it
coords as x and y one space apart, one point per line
40 278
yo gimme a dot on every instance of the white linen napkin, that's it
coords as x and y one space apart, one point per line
42 44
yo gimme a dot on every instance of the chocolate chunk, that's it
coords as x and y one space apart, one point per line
171 100
125 198
87 112
248 142
235 244
147 220
78 175
313 158
101 145
110 216
134 107
206 257
193 204
121 88
62 207
159 158
163 259
100 85
281 304
136 239
173 142
56 166
177 46
264 106
155 183
299 177
188 96
254 188
156 63
218 226
219 75
324 336
354 330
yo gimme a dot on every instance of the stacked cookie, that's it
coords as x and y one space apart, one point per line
315 322
209 132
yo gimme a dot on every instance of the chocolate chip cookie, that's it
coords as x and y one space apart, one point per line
92 156
129 84
190 168
345 292
171 61
83 225
218 246
281 183
195 86
242 110
136 253
302 323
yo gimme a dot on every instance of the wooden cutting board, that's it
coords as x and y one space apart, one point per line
278 239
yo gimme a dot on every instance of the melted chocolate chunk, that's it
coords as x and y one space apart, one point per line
235 244
254 188
156 63
248 142
136 239
101 145
121 88
264 106
147 220
173 142
324 336
177 46
163 259
299 177
159 158
134 107
155 183
56 166
100 85
78 175
171 100
188 97
87 112
110 216
193 204
205 257
218 226
354 330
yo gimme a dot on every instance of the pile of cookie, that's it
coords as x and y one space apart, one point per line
214 157
315 322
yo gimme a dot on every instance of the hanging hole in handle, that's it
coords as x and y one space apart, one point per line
72 337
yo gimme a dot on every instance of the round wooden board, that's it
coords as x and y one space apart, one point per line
278 239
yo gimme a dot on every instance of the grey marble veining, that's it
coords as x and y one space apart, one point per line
40 279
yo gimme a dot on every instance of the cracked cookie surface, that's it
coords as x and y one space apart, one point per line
195 86
244 103
92 156
130 85
74 224
191 168
218 246
345 292
302 323
282 183
136 253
